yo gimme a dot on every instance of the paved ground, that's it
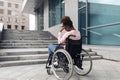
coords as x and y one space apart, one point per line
102 70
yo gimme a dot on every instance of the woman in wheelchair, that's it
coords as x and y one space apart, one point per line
70 30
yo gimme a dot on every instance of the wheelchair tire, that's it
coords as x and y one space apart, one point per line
61 72
86 64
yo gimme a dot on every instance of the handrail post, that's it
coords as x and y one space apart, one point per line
86 21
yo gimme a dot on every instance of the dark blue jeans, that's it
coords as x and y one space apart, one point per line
51 48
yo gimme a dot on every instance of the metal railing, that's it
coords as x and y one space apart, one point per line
105 25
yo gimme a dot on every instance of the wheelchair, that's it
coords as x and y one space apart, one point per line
73 57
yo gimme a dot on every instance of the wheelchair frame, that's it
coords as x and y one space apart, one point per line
83 55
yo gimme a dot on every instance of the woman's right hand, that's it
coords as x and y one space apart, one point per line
61 28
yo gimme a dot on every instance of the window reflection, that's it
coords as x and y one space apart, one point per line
56 11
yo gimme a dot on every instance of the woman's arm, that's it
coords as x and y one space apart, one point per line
62 38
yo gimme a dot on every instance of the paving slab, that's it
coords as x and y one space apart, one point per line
102 70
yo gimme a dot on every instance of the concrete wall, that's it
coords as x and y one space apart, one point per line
46 14
54 30
71 9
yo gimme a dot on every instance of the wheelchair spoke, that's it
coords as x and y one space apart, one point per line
63 69
86 64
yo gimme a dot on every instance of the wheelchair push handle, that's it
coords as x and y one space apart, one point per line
71 36
75 36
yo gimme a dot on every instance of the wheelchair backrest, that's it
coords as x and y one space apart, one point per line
74 47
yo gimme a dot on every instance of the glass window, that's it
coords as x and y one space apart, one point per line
23 20
109 35
8 26
56 11
9 5
16 5
104 12
16 26
9 12
1 18
9 19
40 17
1 11
82 18
22 27
1 3
104 15
16 20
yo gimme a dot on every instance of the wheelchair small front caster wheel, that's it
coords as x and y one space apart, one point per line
49 71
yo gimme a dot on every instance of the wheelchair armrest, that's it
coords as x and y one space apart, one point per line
59 46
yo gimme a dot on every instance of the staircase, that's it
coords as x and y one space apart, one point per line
26 39
27 47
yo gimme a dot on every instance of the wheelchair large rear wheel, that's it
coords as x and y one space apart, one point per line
62 65
86 63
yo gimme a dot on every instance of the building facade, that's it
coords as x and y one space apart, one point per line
98 21
11 15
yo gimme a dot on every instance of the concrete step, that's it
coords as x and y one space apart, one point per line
88 49
23 44
97 57
23 57
93 55
28 41
25 32
27 38
22 53
23 50
17 47
22 62
16 57
27 51
35 61
26 35
90 53
36 56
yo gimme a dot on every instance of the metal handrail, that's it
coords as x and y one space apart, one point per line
105 25
82 7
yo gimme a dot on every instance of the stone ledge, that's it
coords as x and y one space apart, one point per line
108 52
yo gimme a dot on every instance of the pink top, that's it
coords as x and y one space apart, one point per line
62 38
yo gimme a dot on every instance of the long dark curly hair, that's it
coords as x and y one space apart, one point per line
66 21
